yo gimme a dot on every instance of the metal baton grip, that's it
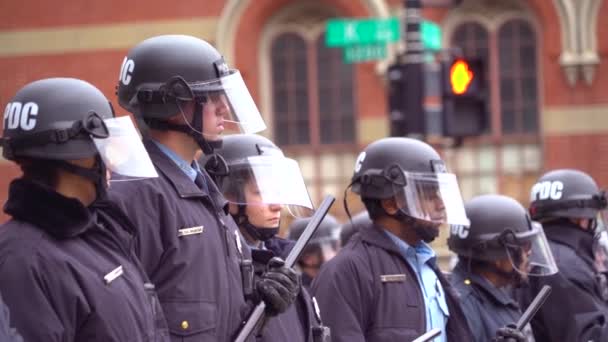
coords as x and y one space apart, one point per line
258 313
429 335
538 301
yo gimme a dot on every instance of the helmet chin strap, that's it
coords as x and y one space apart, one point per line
96 174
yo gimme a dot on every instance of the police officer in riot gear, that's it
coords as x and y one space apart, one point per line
497 252
66 261
322 246
567 202
352 226
261 185
384 285
180 88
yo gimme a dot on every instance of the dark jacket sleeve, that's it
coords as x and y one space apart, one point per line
41 307
569 314
149 215
342 292
7 333
472 312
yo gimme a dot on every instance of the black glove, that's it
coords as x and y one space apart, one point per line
278 286
509 333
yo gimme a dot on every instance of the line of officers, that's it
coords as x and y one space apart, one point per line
173 237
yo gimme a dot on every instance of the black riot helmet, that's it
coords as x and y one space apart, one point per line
51 121
325 240
162 74
55 119
413 174
566 193
258 174
500 228
352 226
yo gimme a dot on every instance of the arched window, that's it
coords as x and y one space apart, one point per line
290 90
335 92
312 92
313 107
518 80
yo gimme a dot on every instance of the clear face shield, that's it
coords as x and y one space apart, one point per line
431 197
529 252
266 181
121 149
600 244
227 107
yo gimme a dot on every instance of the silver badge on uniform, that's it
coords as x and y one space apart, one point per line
190 231
115 273
392 278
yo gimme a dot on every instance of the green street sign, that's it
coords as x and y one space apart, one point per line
348 32
344 32
363 53
431 35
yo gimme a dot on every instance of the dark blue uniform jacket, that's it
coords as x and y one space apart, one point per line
486 307
575 309
68 272
187 244
368 292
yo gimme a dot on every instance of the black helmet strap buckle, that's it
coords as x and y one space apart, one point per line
90 126
176 88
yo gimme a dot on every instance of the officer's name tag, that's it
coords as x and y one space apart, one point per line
115 273
392 278
190 231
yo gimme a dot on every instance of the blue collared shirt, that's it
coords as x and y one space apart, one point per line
190 170
419 258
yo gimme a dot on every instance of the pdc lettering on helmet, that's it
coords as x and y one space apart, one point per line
547 190
128 65
459 230
19 115
359 161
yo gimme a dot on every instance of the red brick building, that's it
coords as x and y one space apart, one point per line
547 61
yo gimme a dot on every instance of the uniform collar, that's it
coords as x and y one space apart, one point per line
183 165
421 253
183 185
498 295
569 234
375 235
60 216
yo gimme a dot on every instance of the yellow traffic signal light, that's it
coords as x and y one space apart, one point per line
461 77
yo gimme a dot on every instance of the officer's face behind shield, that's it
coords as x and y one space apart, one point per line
529 252
227 106
431 197
271 180
121 149
600 244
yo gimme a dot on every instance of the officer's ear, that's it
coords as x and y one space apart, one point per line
389 205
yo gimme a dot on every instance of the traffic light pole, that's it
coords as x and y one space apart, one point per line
406 97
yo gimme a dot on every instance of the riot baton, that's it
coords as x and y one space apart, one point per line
538 301
429 335
258 313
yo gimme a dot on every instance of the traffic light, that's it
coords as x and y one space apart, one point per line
405 100
465 107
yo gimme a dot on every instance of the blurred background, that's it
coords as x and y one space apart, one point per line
545 73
